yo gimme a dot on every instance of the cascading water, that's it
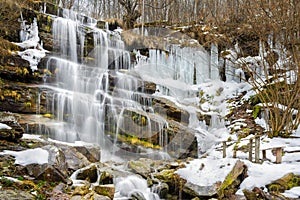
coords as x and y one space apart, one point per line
80 88
92 98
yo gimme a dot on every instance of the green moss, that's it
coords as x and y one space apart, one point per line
256 111
287 182
274 188
28 104
139 119
246 131
227 182
133 140
48 115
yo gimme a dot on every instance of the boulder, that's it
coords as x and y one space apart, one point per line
10 129
10 194
256 193
105 190
89 174
149 130
81 190
235 177
55 170
80 156
145 166
105 178
169 177
182 141
140 167
59 192
286 182
169 110
225 189
162 189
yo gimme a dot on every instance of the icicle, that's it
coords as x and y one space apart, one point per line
214 68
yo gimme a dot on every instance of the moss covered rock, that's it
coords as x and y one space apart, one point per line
105 190
89 174
286 182
14 131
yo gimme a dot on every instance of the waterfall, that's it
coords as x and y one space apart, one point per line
94 96
65 37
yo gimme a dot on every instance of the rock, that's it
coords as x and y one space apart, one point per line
182 142
19 98
105 190
147 87
16 131
88 173
169 177
91 152
142 125
10 27
162 189
7 166
90 195
105 178
76 197
80 156
145 166
111 171
9 194
194 190
169 110
256 193
44 172
286 182
137 195
57 159
225 189
101 24
59 192
140 167
55 170
233 180
81 190
149 130
47 39
99 197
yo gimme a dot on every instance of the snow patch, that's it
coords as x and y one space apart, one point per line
4 126
30 156
207 171
292 193
263 174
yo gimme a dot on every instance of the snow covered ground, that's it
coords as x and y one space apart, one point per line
214 168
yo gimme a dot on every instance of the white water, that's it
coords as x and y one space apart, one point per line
92 88
133 186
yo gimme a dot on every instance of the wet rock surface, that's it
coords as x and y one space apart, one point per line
12 131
